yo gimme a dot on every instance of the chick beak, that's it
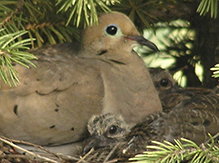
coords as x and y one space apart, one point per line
142 41
89 144
95 142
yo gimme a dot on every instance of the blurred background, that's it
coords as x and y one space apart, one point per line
186 32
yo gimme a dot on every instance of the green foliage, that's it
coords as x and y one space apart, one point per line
208 5
137 11
176 44
216 71
41 22
86 10
183 150
11 51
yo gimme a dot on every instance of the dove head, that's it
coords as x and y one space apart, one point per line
162 79
105 130
115 31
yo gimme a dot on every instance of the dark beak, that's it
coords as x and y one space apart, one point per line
142 41
89 144
96 142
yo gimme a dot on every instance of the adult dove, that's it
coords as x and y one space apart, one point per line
53 102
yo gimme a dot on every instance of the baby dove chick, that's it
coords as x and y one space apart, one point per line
192 119
112 127
170 93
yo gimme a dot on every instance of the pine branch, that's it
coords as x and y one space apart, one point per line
11 52
182 150
80 10
216 71
208 5
42 22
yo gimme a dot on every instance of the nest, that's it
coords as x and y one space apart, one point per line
9 154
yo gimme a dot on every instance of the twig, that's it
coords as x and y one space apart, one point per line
67 157
214 137
26 151
110 154
30 144
85 156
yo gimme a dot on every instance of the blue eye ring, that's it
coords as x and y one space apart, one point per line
112 29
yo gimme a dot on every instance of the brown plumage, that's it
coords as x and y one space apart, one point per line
193 119
53 102
170 93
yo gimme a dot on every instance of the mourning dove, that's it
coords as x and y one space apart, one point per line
162 79
170 93
192 119
53 102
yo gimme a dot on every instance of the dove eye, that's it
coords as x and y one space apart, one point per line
111 29
112 129
164 82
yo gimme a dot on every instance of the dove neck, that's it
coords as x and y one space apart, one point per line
127 88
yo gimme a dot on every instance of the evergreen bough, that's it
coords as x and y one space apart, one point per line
181 151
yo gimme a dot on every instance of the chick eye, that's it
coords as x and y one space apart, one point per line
164 82
113 129
111 29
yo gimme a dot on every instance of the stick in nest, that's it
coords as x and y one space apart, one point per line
33 155
26 151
